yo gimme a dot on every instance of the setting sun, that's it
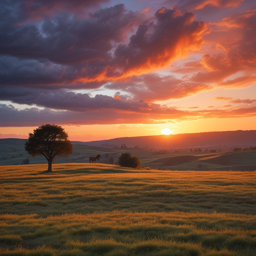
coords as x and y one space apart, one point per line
166 131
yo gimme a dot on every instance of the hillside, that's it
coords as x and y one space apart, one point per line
12 152
176 141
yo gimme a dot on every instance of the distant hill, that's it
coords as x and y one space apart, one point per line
12 151
187 140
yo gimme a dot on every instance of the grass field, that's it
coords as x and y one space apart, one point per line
83 209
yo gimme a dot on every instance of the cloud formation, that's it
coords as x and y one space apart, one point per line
65 49
50 48
10 116
238 53
153 87
77 102
193 5
38 9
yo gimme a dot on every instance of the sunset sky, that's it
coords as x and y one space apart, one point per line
108 68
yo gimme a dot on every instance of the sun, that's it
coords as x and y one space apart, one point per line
166 131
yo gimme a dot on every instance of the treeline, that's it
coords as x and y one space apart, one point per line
244 149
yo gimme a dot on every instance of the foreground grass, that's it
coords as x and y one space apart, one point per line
83 209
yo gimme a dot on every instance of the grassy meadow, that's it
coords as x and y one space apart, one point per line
100 209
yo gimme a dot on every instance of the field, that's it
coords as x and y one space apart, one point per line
12 152
99 209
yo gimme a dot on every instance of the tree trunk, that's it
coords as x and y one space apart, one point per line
49 166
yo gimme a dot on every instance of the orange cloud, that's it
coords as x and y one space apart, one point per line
117 97
223 98
246 101
153 46
237 41
200 4
145 10
243 81
238 20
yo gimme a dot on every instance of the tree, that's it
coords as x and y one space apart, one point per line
50 141
127 160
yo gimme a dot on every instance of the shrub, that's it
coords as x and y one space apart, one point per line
127 160
111 160
25 161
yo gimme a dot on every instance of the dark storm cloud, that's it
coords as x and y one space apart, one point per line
79 102
65 49
65 39
29 72
192 5
10 116
38 9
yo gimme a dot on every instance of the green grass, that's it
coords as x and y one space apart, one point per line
83 209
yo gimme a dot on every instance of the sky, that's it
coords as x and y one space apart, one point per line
108 68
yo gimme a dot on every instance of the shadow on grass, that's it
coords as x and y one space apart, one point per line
91 170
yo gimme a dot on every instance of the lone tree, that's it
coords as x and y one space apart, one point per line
127 160
49 141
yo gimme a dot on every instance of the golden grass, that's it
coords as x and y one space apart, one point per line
83 209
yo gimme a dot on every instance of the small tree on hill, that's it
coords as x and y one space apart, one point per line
49 141
127 160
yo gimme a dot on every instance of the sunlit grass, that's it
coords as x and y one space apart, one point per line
83 209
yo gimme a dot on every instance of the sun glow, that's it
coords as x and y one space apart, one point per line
166 131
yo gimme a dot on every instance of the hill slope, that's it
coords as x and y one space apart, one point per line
206 139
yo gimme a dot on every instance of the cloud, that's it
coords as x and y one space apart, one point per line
223 98
245 101
12 117
192 5
243 81
145 10
39 9
188 67
65 49
153 87
65 39
78 102
239 53
156 45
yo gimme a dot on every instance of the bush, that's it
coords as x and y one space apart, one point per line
111 160
127 160
25 161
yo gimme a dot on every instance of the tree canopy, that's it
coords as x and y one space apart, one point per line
50 141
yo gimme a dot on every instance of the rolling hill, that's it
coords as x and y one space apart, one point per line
206 139
12 151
